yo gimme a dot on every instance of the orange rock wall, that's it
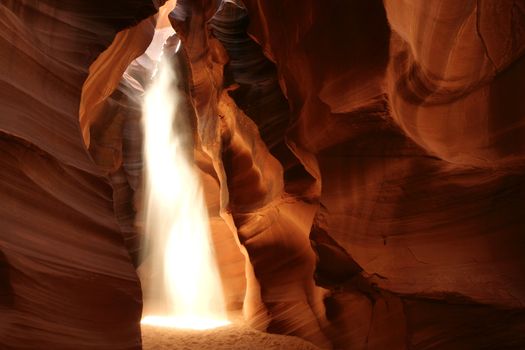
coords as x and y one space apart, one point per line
363 163
67 280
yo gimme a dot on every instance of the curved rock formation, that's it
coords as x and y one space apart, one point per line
363 163
411 218
68 281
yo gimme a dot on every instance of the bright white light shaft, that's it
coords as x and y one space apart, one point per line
185 279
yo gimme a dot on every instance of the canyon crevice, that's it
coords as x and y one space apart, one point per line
363 164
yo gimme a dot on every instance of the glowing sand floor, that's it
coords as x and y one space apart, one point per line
231 337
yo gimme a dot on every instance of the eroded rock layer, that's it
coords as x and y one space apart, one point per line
405 120
363 163
67 279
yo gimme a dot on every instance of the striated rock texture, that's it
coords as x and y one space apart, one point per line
67 280
364 167
392 141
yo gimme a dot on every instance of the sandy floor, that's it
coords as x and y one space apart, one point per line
224 338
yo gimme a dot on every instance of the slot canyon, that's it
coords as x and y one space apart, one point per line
353 170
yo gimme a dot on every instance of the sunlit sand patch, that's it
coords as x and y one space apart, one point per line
230 337
183 322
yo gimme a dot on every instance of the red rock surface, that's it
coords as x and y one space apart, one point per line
365 157
67 280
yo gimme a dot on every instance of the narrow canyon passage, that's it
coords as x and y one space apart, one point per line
341 174
184 306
